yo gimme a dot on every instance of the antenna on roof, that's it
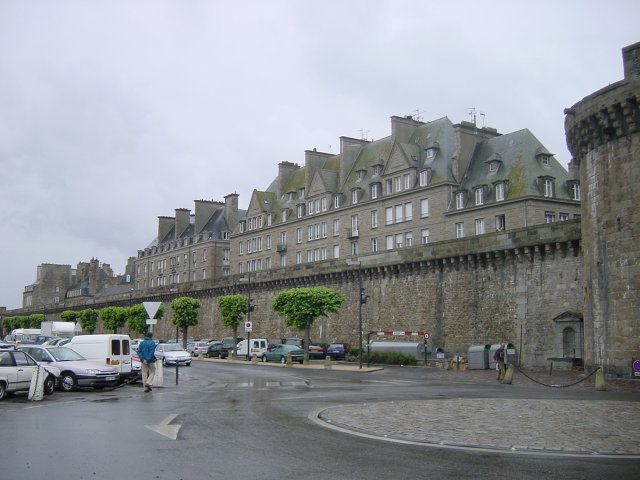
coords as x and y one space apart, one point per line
417 115
472 114
482 115
363 133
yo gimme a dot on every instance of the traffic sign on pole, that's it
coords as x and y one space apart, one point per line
151 308
248 326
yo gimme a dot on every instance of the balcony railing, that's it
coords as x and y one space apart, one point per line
353 233
282 247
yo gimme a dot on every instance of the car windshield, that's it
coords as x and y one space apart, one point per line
172 347
63 354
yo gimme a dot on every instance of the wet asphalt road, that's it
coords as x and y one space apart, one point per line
243 421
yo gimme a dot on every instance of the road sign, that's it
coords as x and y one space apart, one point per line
151 308
151 321
248 326
636 368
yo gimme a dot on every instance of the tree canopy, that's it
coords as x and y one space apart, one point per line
137 318
232 310
301 306
185 314
113 318
88 320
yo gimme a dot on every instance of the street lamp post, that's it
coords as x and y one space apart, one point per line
248 280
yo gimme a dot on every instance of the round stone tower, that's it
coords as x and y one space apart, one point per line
603 135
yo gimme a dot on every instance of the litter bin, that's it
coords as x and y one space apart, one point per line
478 357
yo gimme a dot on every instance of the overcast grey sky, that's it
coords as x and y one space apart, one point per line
115 112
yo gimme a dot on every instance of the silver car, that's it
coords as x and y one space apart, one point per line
172 354
75 370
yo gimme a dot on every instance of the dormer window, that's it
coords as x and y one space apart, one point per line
479 195
460 200
574 189
301 210
290 196
310 207
284 215
375 190
336 201
425 177
302 192
493 163
324 204
544 157
431 152
354 195
493 167
377 170
242 226
548 186
360 174
501 191
269 219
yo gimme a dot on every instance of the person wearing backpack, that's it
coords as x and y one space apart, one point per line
498 356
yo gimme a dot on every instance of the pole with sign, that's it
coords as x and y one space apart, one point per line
248 327
151 308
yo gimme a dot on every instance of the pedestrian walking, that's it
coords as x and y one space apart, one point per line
498 356
147 354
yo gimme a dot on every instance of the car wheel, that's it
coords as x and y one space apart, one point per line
220 356
3 391
68 382
264 359
164 362
49 385
283 360
188 364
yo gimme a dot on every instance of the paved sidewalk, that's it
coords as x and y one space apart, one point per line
585 427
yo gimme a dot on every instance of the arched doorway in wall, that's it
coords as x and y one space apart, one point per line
569 342
569 335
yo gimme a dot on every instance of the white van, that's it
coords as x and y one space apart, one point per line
258 346
110 349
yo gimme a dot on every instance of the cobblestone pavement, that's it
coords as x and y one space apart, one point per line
540 426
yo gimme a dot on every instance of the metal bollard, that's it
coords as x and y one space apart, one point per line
327 362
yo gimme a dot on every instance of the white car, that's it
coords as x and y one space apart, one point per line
197 348
16 372
172 354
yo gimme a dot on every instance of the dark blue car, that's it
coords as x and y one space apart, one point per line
338 351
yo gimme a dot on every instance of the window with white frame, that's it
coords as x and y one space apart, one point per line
425 175
316 204
479 226
240 248
408 211
431 152
302 192
563 216
549 217
388 186
323 203
424 207
267 262
336 227
388 240
336 201
406 181
268 239
301 209
575 191
408 239
500 191
388 215
299 234
374 245
354 196
459 200
479 193
493 167
269 219
548 187
377 169
283 238
336 251
399 240
501 223
374 218
375 190
354 224
283 215
225 255
398 212
354 248
283 260
397 183
459 230
323 229
309 233
310 207
424 236
360 175
298 258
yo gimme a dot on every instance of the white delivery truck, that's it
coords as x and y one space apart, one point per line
58 329
258 346
109 348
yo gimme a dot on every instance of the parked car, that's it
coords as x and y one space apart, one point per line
57 341
217 350
112 349
279 353
258 346
75 370
136 368
197 348
338 351
172 354
316 352
16 372
135 343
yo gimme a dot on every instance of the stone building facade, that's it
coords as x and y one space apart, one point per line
189 247
603 134
426 182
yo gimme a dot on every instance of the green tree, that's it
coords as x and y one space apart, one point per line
69 316
232 309
88 320
137 318
185 315
113 318
301 306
